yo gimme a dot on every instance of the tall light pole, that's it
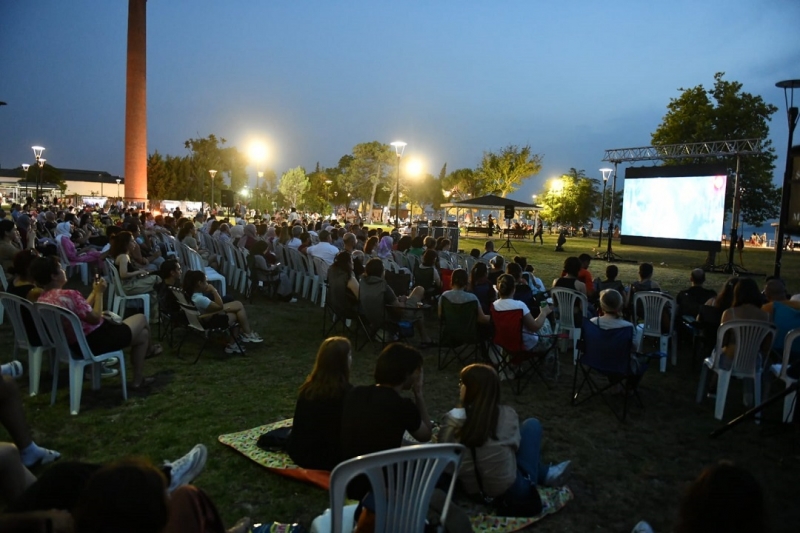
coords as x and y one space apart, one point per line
37 153
606 173
327 192
399 147
535 215
118 181
258 196
788 87
25 167
212 173
258 154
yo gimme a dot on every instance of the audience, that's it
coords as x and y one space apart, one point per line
315 438
504 459
506 302
459 295
480 286
690 300
569 277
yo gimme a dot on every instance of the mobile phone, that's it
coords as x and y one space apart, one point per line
97 277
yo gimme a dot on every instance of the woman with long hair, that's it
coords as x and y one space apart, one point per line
135 280
504 459
506 285
315 439
370 248
102 335
285 235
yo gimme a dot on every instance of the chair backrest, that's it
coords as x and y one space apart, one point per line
606 350
193 260
747 336
116 282
785 319
508 330
791 338
400 282
459 322
62 254
3 279
25 320
399 258
189 309
423 277
566 300
57 322
403 481
321 268
653 306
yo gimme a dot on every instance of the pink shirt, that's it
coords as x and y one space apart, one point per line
75 302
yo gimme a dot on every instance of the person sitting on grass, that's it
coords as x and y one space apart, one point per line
210 305
102 335
375 417
375 294
611 282
127 495
315 438
646 281
504 460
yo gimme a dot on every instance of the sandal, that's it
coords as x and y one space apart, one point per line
154 351
146 382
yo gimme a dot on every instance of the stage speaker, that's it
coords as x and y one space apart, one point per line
418 230
226 198
449 233
452 224
508 213
793 218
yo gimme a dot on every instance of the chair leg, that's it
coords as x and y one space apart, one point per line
34 369
789 406
757 383
701 387
123 376
54 369
663 346
722 393
75 387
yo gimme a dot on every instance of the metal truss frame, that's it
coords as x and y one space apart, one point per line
684 151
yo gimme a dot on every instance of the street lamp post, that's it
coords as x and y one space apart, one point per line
37 153
211 173
258 196
788 87
399 147
118 181
535 214
606 173
25 167
327 193
335 205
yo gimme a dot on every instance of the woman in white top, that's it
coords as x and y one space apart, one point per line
506 302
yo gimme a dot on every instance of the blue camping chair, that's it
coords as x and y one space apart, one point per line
607 353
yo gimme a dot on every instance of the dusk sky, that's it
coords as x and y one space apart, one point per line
312 79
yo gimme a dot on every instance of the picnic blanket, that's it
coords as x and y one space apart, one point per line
244 442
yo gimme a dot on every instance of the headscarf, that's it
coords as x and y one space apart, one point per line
249 235
385 247
271 234
63 229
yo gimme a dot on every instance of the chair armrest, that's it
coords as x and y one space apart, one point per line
652 355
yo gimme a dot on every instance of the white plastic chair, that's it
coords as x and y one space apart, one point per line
120 298
70 266
212 276
57 320
565 299
321 269
779 370
15 306
653 305
747 336
403 481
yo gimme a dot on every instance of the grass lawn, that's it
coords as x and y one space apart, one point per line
621 473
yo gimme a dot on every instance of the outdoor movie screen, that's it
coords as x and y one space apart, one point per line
674 206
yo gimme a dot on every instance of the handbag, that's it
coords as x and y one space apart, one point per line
505 505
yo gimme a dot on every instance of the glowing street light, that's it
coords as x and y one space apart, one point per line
118 182
413 169
606 173
258 155
399 148
212 173
37 153
557 185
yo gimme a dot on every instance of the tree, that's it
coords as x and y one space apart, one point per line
504 172
370 166
572 199
294 185
725 113
464 183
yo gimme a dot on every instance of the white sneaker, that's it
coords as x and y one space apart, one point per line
252 337
293 301
13 369
233 348
188 467
642 527
555 472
